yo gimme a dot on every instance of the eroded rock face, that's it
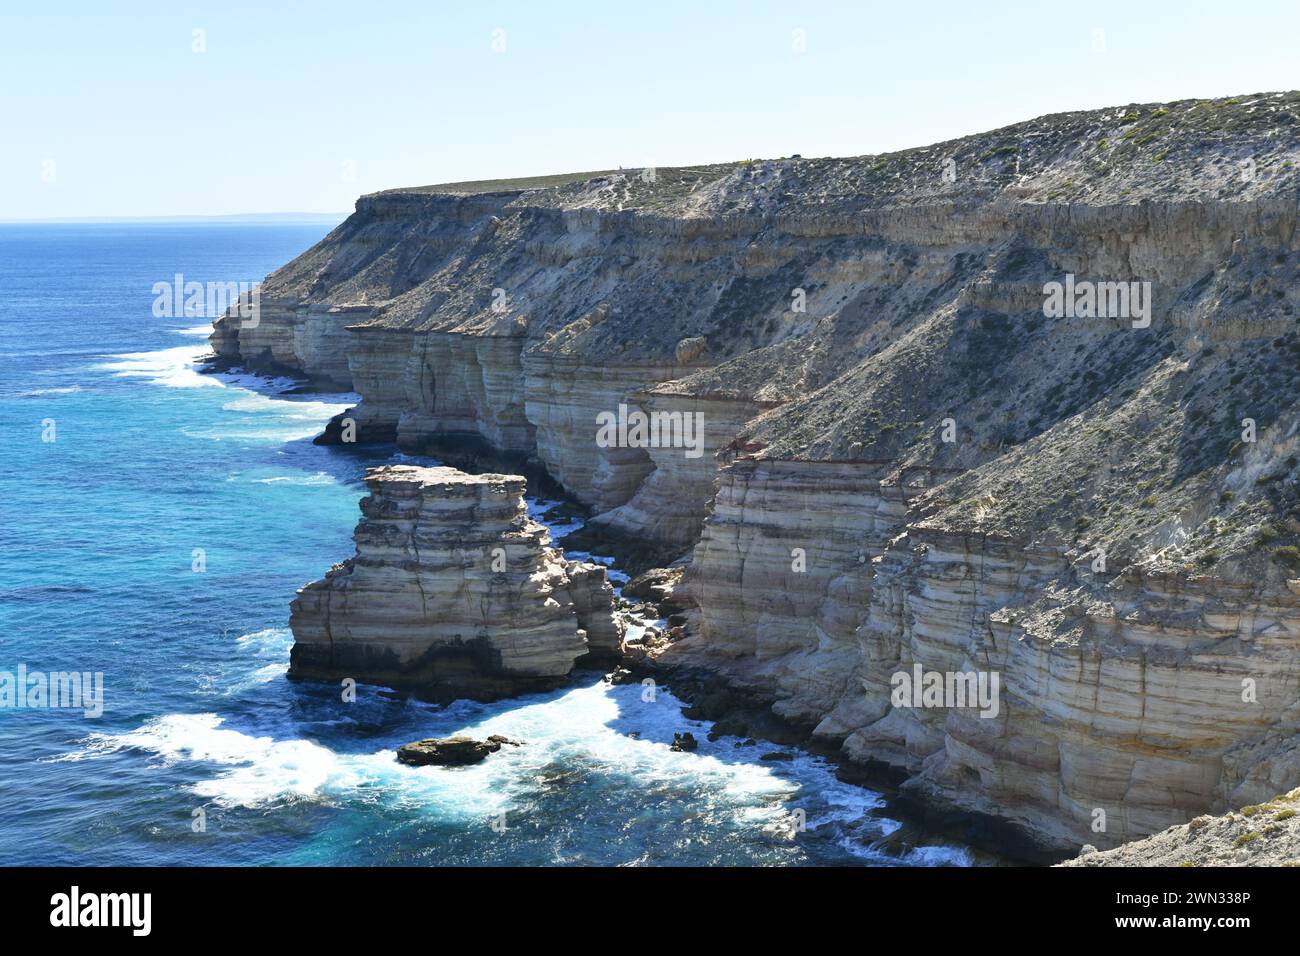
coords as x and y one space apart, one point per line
906 461
1134 700
671 502
593 604
453 592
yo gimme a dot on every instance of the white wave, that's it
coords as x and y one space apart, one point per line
263 675
253 432
271 645
315 411
270 641
196 330
566 730
34 393
939 856
263 770
178 368
318 478
588 727
258 417
173 368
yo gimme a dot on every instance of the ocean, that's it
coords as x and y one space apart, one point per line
157 522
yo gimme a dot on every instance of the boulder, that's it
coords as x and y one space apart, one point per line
451 751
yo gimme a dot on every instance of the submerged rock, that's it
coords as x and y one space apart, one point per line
684 742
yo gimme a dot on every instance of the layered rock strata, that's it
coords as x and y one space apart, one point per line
453 592
908 458
595 608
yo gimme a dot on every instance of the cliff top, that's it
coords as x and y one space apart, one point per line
516 185
435 478
1187 149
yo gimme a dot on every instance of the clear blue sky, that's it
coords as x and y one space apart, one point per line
291 99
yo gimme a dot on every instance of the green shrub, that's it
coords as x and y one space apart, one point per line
1288 554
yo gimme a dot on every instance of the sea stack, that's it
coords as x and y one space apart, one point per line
453 592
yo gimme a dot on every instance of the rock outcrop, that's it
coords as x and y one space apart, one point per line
453 592
908 458
594 607
1262 834
451 751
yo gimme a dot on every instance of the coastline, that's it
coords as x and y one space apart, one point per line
901 459
753 722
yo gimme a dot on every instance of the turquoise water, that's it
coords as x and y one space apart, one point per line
152 460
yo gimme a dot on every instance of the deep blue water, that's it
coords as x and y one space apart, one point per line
151 461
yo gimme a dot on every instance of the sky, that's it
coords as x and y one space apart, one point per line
177 108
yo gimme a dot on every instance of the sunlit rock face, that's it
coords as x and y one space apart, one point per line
906 459
453 592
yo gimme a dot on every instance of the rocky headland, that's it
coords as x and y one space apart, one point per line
903 456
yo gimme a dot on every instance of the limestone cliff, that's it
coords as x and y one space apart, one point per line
453 592
903 458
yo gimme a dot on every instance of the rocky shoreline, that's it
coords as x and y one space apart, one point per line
897 460
738 713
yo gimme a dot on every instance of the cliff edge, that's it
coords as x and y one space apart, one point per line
1020 404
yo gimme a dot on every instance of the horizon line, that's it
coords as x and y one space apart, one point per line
183 217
